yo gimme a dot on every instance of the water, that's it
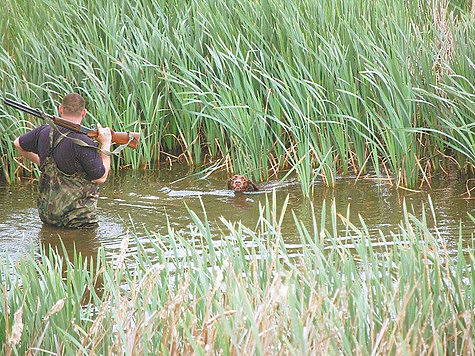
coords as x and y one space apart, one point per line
147 201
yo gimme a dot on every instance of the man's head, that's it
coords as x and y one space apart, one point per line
73 106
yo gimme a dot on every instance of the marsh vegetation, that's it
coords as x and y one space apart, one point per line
247 293
308 89
320 88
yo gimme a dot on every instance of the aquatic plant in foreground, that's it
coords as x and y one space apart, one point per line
248 293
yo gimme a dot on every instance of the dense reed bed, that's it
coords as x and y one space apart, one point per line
247 292
321 88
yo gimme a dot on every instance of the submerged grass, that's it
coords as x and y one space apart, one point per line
247 292
325 88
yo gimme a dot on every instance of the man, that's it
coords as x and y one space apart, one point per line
70 172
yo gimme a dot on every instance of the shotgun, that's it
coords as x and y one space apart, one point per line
131 139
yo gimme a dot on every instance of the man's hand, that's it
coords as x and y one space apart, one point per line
104 136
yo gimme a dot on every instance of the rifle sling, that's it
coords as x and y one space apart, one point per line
84 144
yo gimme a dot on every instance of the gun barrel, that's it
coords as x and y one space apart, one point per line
22 107
129 138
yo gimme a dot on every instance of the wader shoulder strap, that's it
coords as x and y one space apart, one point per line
54 143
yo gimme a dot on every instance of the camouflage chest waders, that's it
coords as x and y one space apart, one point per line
65 200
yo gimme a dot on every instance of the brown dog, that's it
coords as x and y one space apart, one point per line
240 183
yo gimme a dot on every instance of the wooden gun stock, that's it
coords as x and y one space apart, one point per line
121 138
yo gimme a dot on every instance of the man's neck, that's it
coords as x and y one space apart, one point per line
75 119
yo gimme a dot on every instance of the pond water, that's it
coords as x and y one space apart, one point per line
145 201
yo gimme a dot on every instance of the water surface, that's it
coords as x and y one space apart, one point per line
148 201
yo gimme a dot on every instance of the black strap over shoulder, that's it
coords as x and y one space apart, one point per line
80 142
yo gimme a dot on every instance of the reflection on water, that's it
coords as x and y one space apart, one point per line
84 241
142 201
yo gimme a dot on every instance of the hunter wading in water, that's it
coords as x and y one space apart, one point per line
70 172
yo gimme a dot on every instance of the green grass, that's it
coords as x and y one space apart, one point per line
247 292
322 88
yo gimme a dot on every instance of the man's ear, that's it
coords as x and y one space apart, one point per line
60 110
84 113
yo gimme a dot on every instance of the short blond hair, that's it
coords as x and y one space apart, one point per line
73 104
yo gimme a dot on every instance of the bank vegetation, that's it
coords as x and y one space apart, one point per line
247 292
321 88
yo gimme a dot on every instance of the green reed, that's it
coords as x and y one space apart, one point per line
247 292
322 88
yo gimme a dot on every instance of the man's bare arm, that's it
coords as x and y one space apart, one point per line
33 157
